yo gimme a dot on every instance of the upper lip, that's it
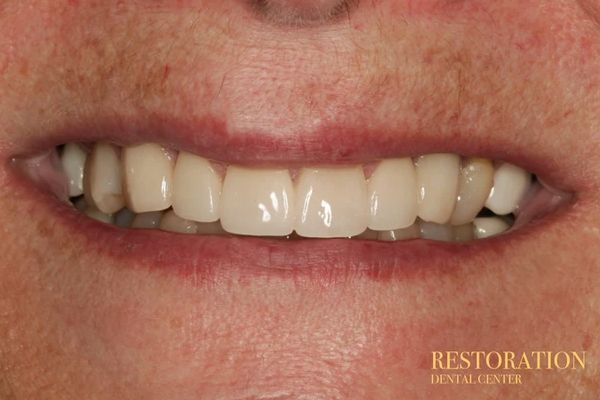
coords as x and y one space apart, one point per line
325 144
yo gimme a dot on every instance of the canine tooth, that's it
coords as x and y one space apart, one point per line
210 228
124 218
433 231
475 182
412 232
510 185
98 215
437 182
103 185
149 177
73 162
149 220
464 233
171 222
331 202
257 202
393 195
196 189
489 226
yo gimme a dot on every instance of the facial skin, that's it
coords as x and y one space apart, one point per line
515 80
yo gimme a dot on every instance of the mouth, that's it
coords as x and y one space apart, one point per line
162 204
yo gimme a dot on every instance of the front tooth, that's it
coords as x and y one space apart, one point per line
475 182
148 220
102 182
510 185
331 202
196 189
437 182
393 195
73 161
149 177
489 226
171 222
412 232
433 231
257 202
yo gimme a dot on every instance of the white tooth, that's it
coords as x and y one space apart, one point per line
98 215
510 185
172 223
150 220
331 202
196 189
210 228
464 233
102 181
437 182
393 195
257 202
412 232
433 231
149 177
489 226
475 182
73 162
124 218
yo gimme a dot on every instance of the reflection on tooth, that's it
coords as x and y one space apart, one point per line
102 181
489 226
475 183
464 233
172 223
257 202
150 220
210 228
433 231
331 202
124 218
510 185
412 232
437 180
98 215
148 176
73 162
196 189
393 195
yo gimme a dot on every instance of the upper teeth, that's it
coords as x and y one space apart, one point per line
333 201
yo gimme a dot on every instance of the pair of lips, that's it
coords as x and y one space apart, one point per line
259 254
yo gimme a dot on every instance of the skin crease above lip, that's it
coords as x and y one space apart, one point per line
76 323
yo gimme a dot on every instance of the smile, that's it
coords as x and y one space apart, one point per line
434 196
439 196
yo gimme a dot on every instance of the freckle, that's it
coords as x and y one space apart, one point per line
24 67
176 323
587 342
74 3
166 72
